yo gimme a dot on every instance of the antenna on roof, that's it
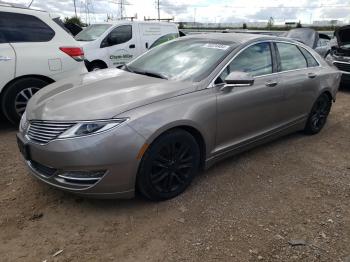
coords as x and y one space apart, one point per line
31 2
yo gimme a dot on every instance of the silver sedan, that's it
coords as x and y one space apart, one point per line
152 125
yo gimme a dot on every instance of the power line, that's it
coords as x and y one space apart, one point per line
263 7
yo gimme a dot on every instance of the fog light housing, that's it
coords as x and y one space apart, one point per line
80 177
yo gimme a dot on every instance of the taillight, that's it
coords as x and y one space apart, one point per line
76 53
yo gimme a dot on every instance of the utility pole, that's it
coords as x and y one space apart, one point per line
158 10
121 9
75 8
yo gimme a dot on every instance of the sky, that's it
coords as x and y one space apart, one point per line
205 11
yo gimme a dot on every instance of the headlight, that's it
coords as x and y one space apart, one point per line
91 127
23 125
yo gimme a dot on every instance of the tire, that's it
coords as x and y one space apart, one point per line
318 115
16 96
168 166
95 66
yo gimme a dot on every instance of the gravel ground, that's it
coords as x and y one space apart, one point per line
284 201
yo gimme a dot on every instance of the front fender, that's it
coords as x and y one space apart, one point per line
196 110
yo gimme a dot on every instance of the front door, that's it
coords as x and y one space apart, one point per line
244 113
122 45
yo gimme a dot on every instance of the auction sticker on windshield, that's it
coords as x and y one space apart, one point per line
216 46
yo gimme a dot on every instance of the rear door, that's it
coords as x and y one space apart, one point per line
7 63
7 55
149 32
121 45
299 74
247 112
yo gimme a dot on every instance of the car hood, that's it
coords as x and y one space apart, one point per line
101 95
307 36
343 35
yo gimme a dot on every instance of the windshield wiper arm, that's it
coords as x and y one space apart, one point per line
128 68
152 74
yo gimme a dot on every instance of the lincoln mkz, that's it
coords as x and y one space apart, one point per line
155 123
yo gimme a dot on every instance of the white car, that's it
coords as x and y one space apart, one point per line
34 52
114 44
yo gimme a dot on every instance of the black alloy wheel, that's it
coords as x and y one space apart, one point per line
169 165
319 113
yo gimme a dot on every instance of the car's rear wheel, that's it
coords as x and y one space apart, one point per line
168 166
318 115
95 66
16 96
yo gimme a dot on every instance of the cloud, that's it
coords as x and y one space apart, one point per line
280 13
223 11
172 8
335 13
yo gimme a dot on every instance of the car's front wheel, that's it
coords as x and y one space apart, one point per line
318 115
16 96
168 166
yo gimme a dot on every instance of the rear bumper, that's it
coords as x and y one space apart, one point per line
112 155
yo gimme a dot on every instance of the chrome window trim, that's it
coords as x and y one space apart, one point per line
341 62
212 83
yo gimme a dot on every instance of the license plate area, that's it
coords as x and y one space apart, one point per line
24 149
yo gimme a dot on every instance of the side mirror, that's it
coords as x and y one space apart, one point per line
236 79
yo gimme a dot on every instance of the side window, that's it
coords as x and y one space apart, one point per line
256 60
322 42
311 61
16 28
120 35
163 39
291 57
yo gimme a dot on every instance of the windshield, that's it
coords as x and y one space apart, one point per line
190 59
92 32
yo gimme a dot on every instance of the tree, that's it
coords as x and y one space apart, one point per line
73 20
245 26
270 23
299 25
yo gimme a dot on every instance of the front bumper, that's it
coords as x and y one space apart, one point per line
115 152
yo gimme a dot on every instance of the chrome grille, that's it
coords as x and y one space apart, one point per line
343 66
46 131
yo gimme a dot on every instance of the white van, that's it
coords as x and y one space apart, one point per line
116 43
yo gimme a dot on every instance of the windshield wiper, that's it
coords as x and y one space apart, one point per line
152 74
127 68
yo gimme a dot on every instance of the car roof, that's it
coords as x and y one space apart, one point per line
118 22
238 38
4 7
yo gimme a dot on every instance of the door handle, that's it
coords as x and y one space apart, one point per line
132 46
271 83
5 58
311 75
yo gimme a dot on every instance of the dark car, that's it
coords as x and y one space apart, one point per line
340 52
